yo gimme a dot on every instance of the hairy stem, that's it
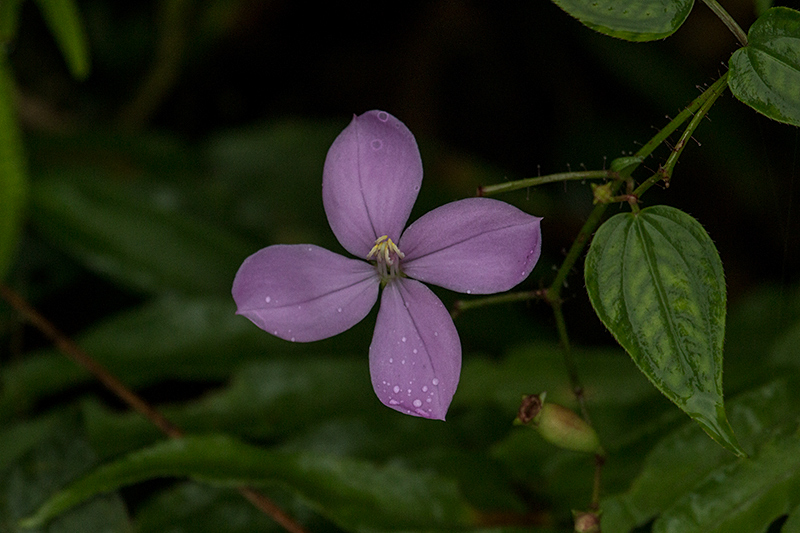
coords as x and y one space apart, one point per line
462 305
550 178
74 352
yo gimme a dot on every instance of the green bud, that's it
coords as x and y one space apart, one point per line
558 425
602 194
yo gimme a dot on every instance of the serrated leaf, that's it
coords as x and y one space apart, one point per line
743 497
632 20
765 74
655 280
65 24
356 495
13 175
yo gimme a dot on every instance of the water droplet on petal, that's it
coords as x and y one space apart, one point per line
268 299
396 389
339 310
383 117
292 339
391 360
417 403
403 339
415 350
435 381
416 188
425 388
435 333
469 291
376 144
393 402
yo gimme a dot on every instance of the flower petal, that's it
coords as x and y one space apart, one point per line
477 246
415 355
303 292
372 175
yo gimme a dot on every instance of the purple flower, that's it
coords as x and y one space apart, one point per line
370 181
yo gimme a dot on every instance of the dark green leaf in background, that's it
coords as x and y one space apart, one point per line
65 24
656 281
633 20
9 16
340 489
765 74
135 238
13 175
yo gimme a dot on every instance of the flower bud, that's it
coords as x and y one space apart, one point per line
602 194
558 425
586 521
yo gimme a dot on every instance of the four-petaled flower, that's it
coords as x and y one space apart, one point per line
370 181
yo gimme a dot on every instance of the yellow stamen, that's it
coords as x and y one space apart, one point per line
386 247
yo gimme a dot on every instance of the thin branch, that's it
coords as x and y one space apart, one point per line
124 393
728 20
487 190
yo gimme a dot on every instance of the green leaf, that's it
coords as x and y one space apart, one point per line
135 236
655 280
632 20
13 175
765 74
792 524
686 456
59 456
744 497
356 495
64 20
198 339
9 17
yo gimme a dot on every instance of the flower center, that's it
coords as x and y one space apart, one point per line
387 258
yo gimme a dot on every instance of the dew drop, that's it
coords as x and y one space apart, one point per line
435 333
339 310
435 381
376 144
396 389
428 400
415 350
393 402
469 292
416 188
383 117
292 339
275 332
425 388
417 403
403 339
391 360
403 362
268 299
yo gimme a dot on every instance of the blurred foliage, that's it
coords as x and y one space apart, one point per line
131 192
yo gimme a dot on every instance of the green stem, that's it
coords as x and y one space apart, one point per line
463 305
665 171
727 19
550 178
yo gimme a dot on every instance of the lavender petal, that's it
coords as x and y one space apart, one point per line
415 355
371 178
476 246
303 292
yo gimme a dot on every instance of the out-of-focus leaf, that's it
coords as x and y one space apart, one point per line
792 524
172 338
194 508
60 456
683 458
765 74
356 495
65 24
9 16
13 175
743 497
134 238
655 280
633 20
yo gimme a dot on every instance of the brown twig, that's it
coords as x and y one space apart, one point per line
124 393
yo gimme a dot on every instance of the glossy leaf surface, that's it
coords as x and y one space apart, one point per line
655 280
765 74
632 20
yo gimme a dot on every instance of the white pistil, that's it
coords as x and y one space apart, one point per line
387 256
